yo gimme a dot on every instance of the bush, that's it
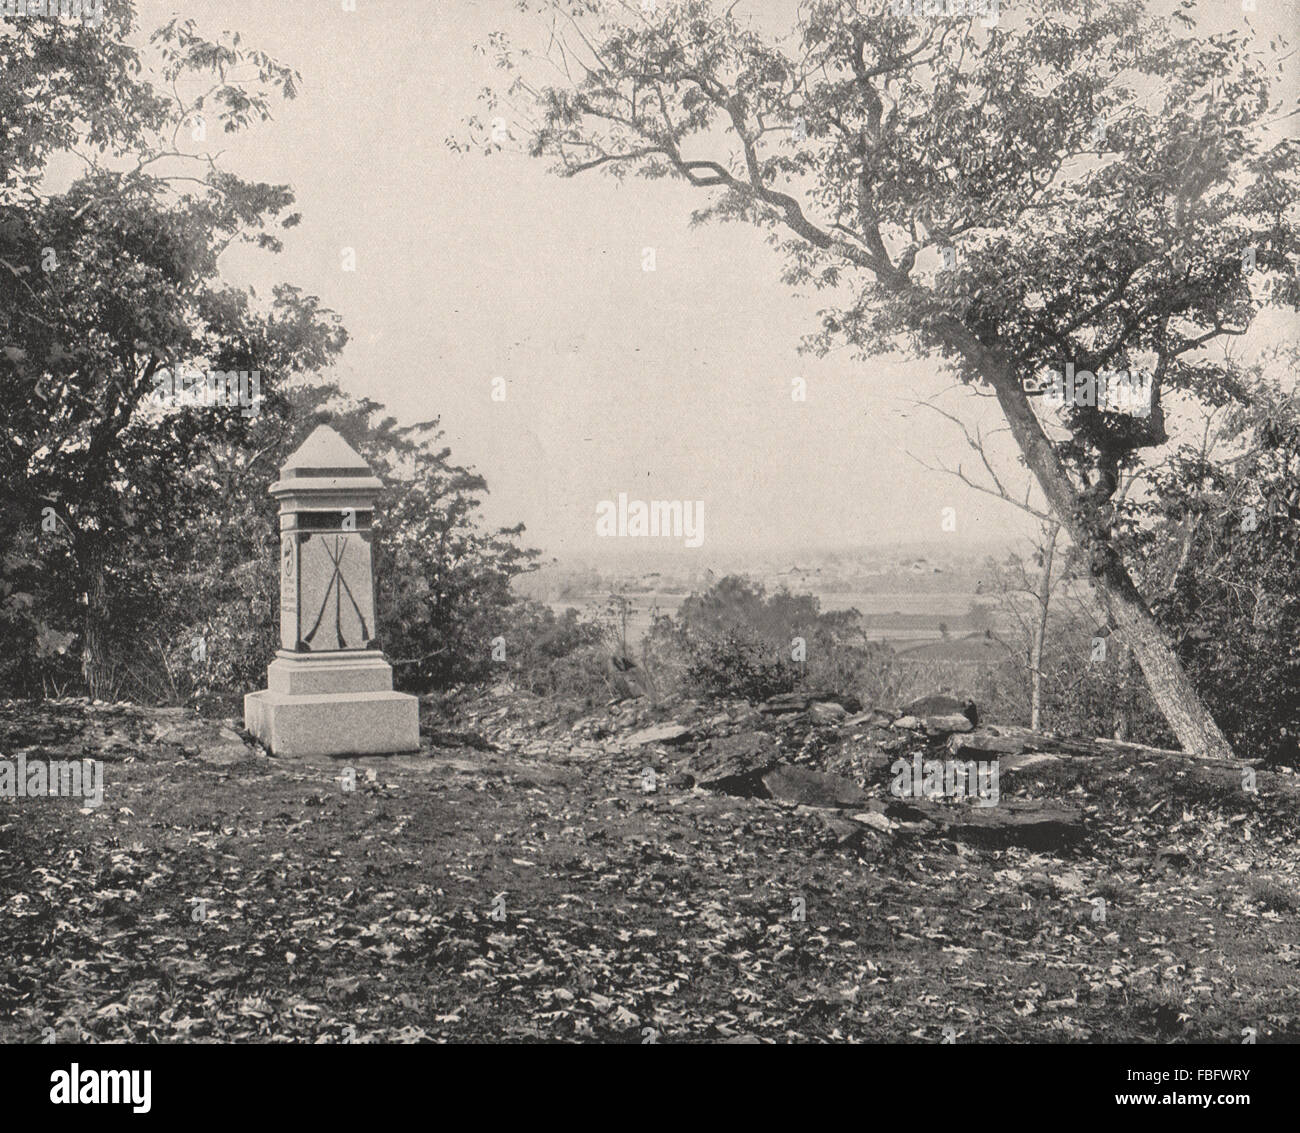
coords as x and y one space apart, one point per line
732 665
736 640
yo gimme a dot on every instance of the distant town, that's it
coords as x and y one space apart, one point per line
907 593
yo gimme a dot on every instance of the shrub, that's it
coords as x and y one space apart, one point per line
732 664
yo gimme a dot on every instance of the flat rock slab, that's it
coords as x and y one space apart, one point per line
875 821
1012 822
813 788
658 734
802 701
1025 760
983 745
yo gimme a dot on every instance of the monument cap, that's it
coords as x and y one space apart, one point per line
325 462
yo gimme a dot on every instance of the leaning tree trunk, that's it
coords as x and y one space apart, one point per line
1127 610
1125 607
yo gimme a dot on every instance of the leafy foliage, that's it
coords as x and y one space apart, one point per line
113 282
1223 558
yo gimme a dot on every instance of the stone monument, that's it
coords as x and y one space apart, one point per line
329 690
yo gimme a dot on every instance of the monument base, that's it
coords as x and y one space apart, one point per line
355 723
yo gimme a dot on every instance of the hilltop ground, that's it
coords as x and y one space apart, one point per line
517 880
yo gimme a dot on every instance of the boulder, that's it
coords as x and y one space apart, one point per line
735 764
908 723
813 788
208 740
827 712
947 724
943 706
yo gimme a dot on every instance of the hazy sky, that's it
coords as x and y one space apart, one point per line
671 384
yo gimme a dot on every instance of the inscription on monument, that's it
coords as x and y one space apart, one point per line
288 590
336 591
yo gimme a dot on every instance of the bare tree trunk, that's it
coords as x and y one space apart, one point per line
1040 631
95 663
1124 605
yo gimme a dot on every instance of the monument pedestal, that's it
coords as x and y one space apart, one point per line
332 704
329 690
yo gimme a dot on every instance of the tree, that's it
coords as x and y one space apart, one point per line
1044 556
1079 185
113 282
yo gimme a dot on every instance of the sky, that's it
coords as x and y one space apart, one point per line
671 384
